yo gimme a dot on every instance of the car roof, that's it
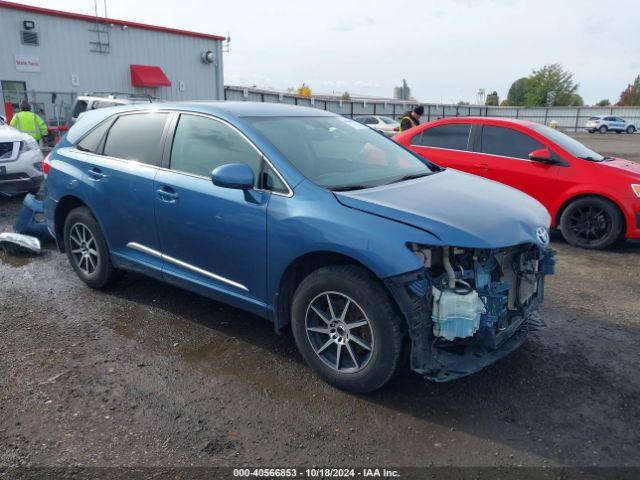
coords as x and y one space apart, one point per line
499 120
239 109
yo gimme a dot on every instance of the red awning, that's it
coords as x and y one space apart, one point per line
148 76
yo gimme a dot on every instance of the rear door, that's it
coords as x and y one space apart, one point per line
119 184
448 145
505 152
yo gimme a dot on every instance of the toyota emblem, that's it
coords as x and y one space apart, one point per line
543 236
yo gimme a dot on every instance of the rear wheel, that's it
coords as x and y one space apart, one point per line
603 129
591 222
87 249
631 129
346 329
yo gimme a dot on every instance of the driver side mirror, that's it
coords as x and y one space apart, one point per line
541 155
233 175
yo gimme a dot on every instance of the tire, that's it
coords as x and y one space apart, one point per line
631 129
84 238
591 222
603 129
591 131
370 321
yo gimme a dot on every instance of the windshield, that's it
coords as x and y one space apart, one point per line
572 146
388 120
338 153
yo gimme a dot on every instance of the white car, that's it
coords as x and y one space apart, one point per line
609 123
20 162
386 125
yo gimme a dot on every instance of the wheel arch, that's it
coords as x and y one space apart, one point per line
65 205
303 266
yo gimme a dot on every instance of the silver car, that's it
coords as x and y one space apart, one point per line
607 123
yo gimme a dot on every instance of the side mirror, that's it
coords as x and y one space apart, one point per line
541 155
233 175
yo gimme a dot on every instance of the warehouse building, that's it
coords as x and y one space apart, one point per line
51 56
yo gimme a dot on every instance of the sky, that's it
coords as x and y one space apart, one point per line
446 50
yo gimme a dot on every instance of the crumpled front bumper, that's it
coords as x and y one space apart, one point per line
440 364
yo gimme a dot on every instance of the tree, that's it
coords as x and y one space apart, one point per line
462 103
550 86
304 90
630 97
345 96
492 99
576 101
505 103
603 103
517 92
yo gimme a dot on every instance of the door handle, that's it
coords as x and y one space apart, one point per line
483 166
96 173
167 194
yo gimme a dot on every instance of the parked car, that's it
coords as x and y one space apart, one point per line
20 162
386 125
93 101
310 219
593 199
608 123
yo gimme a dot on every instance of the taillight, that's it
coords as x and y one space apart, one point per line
46 165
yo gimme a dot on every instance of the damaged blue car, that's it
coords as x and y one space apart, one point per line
312 221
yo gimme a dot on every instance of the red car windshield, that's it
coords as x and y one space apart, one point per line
569 144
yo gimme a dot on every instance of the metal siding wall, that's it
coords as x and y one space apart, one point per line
65 50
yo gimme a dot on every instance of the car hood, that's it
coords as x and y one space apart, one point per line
622 164
10 134
459 209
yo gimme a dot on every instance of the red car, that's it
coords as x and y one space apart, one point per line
594 200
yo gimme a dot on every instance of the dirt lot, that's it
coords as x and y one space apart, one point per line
146 374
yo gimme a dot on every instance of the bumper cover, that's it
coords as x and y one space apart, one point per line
15 184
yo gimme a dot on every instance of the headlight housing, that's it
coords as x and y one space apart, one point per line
636 189
29 144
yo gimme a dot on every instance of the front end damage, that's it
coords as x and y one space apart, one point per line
467 308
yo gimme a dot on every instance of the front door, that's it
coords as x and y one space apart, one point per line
213 239
505 152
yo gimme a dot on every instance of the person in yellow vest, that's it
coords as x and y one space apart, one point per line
411 118
29 122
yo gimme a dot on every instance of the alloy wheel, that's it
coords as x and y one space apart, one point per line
590 223
83 248
339 332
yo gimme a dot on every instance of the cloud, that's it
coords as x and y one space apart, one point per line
349 25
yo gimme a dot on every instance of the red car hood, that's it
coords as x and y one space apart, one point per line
621 164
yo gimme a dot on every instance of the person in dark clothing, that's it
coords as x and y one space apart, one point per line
411 118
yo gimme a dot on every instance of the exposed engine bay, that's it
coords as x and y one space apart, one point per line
470 307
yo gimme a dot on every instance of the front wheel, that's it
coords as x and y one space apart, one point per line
346 328
591 222
631 129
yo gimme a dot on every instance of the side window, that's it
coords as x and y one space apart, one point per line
92 142
201 144
454 136
621 120
137 137
271 181
371 121
80 107
507 143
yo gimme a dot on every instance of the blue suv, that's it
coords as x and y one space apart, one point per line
310 220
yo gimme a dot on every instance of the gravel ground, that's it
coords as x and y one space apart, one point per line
144 374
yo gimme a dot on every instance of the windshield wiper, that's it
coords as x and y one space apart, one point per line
411 177
591 159
348 188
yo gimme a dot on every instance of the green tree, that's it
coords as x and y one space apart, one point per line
576 101
603 103
492 99
630 97
462 103
517 92
345 96
550 86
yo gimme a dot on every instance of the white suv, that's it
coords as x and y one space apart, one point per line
605 123
20 162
